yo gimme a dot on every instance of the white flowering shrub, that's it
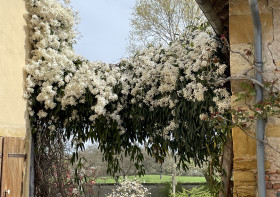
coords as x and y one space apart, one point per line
129 188
159 97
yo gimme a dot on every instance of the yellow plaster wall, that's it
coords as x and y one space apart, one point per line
242 37
14 50
13 55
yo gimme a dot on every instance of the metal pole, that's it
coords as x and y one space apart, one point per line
260 124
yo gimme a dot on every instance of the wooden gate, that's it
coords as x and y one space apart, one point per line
12 168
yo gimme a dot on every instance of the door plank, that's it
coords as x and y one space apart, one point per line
13 166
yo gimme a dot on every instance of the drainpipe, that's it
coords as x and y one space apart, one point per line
260 124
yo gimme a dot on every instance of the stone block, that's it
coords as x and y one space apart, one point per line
274 48
273 121
241 28
275 178
245 183
241 7
238 64
241 105
273 130
271 172
250 100
245 191
274 3
243 145
276 186
244 164
271 193
244 178
276 21
271 155
236 87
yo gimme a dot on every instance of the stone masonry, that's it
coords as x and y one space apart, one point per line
244 147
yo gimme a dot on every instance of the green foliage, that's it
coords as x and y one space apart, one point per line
166 191
194 192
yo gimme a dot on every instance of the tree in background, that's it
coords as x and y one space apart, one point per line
94 157
159 22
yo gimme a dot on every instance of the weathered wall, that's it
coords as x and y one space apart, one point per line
13 52
241 37
14 49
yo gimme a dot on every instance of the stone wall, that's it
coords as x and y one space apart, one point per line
14 50
241 38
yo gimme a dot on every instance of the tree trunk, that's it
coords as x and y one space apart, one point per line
227 166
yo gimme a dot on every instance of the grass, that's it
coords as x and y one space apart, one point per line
156 179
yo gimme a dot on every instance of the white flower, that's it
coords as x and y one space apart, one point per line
51 127
171 127
42 114
203 116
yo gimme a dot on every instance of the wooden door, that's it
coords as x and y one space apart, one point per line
13 166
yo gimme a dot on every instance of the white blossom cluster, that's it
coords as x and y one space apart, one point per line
155 74
150 78
51 36
130 188
152 74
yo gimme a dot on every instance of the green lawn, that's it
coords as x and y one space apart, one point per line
156 179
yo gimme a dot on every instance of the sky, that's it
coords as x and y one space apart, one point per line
104 28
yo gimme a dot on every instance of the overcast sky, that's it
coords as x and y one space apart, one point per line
104 26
